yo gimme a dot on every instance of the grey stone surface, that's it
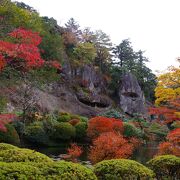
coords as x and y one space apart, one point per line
131 96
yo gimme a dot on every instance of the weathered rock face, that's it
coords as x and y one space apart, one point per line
92 78
131 96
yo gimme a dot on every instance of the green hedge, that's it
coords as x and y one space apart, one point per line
122 169
10 136
35 133
4 146
64 131
64 118
22 155
81 130
19 171
166 167
40 171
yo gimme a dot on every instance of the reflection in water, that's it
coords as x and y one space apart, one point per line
145 152
142 155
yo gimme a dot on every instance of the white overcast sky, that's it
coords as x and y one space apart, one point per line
151 25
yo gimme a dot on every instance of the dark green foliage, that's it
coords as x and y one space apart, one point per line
127 60
131 131
48 123
19 126
22 155
10 136
64 131
3 103
122 169
81 130
35 133
166 167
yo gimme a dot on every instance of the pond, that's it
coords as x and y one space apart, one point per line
143 154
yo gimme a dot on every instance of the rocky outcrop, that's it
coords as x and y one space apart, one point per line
92 78
131 96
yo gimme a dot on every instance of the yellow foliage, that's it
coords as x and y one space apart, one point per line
168 87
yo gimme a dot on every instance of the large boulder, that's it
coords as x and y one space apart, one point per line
93 79
131 96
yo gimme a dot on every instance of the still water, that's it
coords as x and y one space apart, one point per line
143 154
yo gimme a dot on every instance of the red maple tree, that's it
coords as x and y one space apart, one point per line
110 145
100 124
5 119
172 145
74 152
23 53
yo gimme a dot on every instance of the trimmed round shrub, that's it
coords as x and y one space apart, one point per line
131 131
81 130
35 133
64 131
4 146
42 171
48 125
122 169
66 171
64 118
83 119
165 167
22 155
10 135
19 171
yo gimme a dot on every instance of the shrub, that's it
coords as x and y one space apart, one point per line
64 118
175 124
10 135
99 124
110 146
49 124
4 146
66 171
64 131
81 130
19 171
165 167
73 122
122 169
83 119
172 146
19 126
35 133
39 171
158 129
3 103
74 152
22 155
131 131
111 114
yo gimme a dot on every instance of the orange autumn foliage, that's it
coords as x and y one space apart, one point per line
74 152
110 145
172 146
165 114
100 124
